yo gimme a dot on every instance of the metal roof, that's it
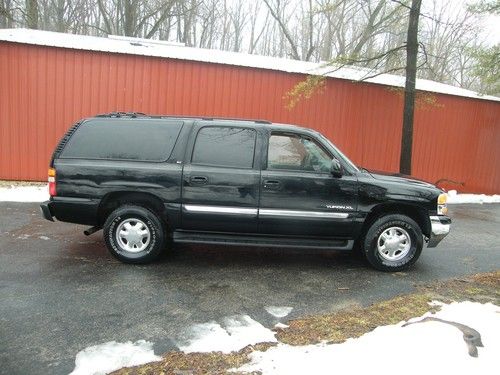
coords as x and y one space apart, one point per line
162 49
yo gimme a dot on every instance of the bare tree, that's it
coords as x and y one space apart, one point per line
32 14
6 17
255 34
186 18
208 16
377 19
448 36
277 8
368 33
239 18
133 17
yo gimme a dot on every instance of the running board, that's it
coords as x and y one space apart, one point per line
260 240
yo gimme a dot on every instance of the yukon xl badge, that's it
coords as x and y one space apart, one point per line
334 207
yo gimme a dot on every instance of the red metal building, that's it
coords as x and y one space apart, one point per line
50 80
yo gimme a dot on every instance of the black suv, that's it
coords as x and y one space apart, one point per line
144 179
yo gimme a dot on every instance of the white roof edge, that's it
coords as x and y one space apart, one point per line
147 41
158 49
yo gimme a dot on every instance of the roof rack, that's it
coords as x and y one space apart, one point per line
204 118
211 118
122 114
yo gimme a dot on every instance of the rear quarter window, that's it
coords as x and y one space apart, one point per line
124 139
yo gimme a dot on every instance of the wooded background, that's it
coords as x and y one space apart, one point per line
370 33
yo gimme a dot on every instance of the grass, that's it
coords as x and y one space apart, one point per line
333 328
179 363
355 322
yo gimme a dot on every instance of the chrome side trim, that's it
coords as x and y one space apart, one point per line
296 213
220 209
269 212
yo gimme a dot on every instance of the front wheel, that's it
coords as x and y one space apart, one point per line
134 234
393 243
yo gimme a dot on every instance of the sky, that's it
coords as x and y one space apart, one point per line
492 29
491 23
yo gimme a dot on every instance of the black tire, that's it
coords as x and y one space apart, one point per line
140 219
396 228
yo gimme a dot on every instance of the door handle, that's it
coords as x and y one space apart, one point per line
198 180
272 184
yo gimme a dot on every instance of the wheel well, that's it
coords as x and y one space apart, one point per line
416 213
112 201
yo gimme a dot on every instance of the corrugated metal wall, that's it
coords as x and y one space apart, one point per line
44 90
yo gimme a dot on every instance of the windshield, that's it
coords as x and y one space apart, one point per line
339 153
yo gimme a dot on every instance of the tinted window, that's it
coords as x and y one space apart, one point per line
126 139
225 146
297 153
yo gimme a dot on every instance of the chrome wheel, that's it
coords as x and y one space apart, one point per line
394 244
133 235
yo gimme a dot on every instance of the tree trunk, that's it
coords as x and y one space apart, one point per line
5 14
130 18
32 14
411 76
60 10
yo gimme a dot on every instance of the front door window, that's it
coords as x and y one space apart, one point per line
293 152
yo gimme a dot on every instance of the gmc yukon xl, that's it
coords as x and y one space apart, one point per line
147 179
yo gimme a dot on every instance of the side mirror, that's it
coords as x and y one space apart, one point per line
336 168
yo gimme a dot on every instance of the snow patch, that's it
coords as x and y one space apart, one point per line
455 198
435 303
45 238
27 193
430 347
233 334
111 356
279 311
280 326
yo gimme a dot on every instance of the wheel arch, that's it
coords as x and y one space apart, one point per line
113 200
418 214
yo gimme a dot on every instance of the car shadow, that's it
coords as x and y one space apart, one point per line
93 249
222 255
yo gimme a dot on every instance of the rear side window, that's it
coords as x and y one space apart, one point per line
123 139
225 147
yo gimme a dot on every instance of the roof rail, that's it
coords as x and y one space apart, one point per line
212 118
122 114
204 118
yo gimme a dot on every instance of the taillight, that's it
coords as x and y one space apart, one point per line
52 182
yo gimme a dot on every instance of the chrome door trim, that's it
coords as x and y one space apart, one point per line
297 213
195 208
269 212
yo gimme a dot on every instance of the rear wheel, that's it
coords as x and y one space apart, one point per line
134 234
393 243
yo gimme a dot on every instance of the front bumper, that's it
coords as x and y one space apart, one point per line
440 227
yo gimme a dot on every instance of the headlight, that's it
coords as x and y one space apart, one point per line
442 209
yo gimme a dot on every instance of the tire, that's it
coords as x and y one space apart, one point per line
134 234
393 243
